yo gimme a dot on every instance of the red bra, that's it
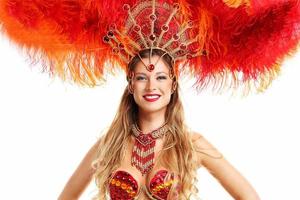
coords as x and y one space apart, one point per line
123 186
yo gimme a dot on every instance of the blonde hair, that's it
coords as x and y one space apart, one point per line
178 154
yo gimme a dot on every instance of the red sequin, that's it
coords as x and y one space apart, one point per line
123 186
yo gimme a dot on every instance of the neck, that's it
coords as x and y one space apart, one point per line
148 122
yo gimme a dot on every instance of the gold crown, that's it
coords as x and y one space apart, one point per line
153 26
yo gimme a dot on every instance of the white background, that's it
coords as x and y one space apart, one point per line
47 126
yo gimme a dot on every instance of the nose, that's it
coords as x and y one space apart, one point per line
151 84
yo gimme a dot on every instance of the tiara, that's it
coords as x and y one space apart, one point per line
151 25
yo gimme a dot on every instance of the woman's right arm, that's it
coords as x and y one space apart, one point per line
81 177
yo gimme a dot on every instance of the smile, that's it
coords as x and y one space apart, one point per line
151 97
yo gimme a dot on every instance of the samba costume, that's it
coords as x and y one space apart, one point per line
223 43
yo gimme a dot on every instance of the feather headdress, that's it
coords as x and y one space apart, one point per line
238 42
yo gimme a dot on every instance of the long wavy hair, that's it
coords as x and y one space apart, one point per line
177 155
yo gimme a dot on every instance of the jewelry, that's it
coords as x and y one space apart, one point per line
143 150
153 25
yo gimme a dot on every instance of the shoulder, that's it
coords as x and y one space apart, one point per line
204 148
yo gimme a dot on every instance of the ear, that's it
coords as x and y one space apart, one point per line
129 87
174 86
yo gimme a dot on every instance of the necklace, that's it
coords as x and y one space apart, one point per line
143 150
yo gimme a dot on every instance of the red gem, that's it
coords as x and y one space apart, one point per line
110 34
121 46
126 7
152 37
137 28
115 50
106 39
176 6
190 23
152 17
175 37
165 28
151 67
182 46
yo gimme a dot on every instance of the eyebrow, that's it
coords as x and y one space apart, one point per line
157 73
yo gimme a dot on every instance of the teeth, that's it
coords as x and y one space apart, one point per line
152 97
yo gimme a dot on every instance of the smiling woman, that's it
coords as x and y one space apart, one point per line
148 151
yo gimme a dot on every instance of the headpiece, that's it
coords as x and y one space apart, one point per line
223 43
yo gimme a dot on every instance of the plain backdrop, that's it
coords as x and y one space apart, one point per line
47 126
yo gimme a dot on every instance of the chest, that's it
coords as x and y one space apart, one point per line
129 181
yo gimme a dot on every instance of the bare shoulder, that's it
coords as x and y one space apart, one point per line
204 148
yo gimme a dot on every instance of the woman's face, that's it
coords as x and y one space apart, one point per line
152 90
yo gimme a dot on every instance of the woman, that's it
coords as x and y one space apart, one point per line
151 101
148 152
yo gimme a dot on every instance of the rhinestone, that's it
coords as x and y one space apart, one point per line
165 28
121 46
110 34
152 37
123 186
106 39
176 6
151 67
126 7
115 50
176 37
183 46
118 183
137 28
152 17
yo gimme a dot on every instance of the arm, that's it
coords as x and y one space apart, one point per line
232 181
81 177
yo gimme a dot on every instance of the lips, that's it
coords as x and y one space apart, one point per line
151 97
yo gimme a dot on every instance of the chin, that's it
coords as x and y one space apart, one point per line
153 109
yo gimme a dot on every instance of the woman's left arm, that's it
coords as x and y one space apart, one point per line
232 181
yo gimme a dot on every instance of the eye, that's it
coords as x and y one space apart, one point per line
161 77
140 78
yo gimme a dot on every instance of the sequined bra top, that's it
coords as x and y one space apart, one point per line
123 186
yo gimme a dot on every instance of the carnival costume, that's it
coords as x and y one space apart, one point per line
222 43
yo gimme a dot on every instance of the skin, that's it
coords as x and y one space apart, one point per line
151 115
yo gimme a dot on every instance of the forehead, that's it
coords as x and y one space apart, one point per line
160 65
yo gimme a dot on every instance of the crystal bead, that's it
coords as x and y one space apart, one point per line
165 28
152 37
137 28
176 37
183 46
110 34
152 17
118 183
106 39
116 50
121 46
176 6
126 7
123 186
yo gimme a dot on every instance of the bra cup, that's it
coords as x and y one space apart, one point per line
123 185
